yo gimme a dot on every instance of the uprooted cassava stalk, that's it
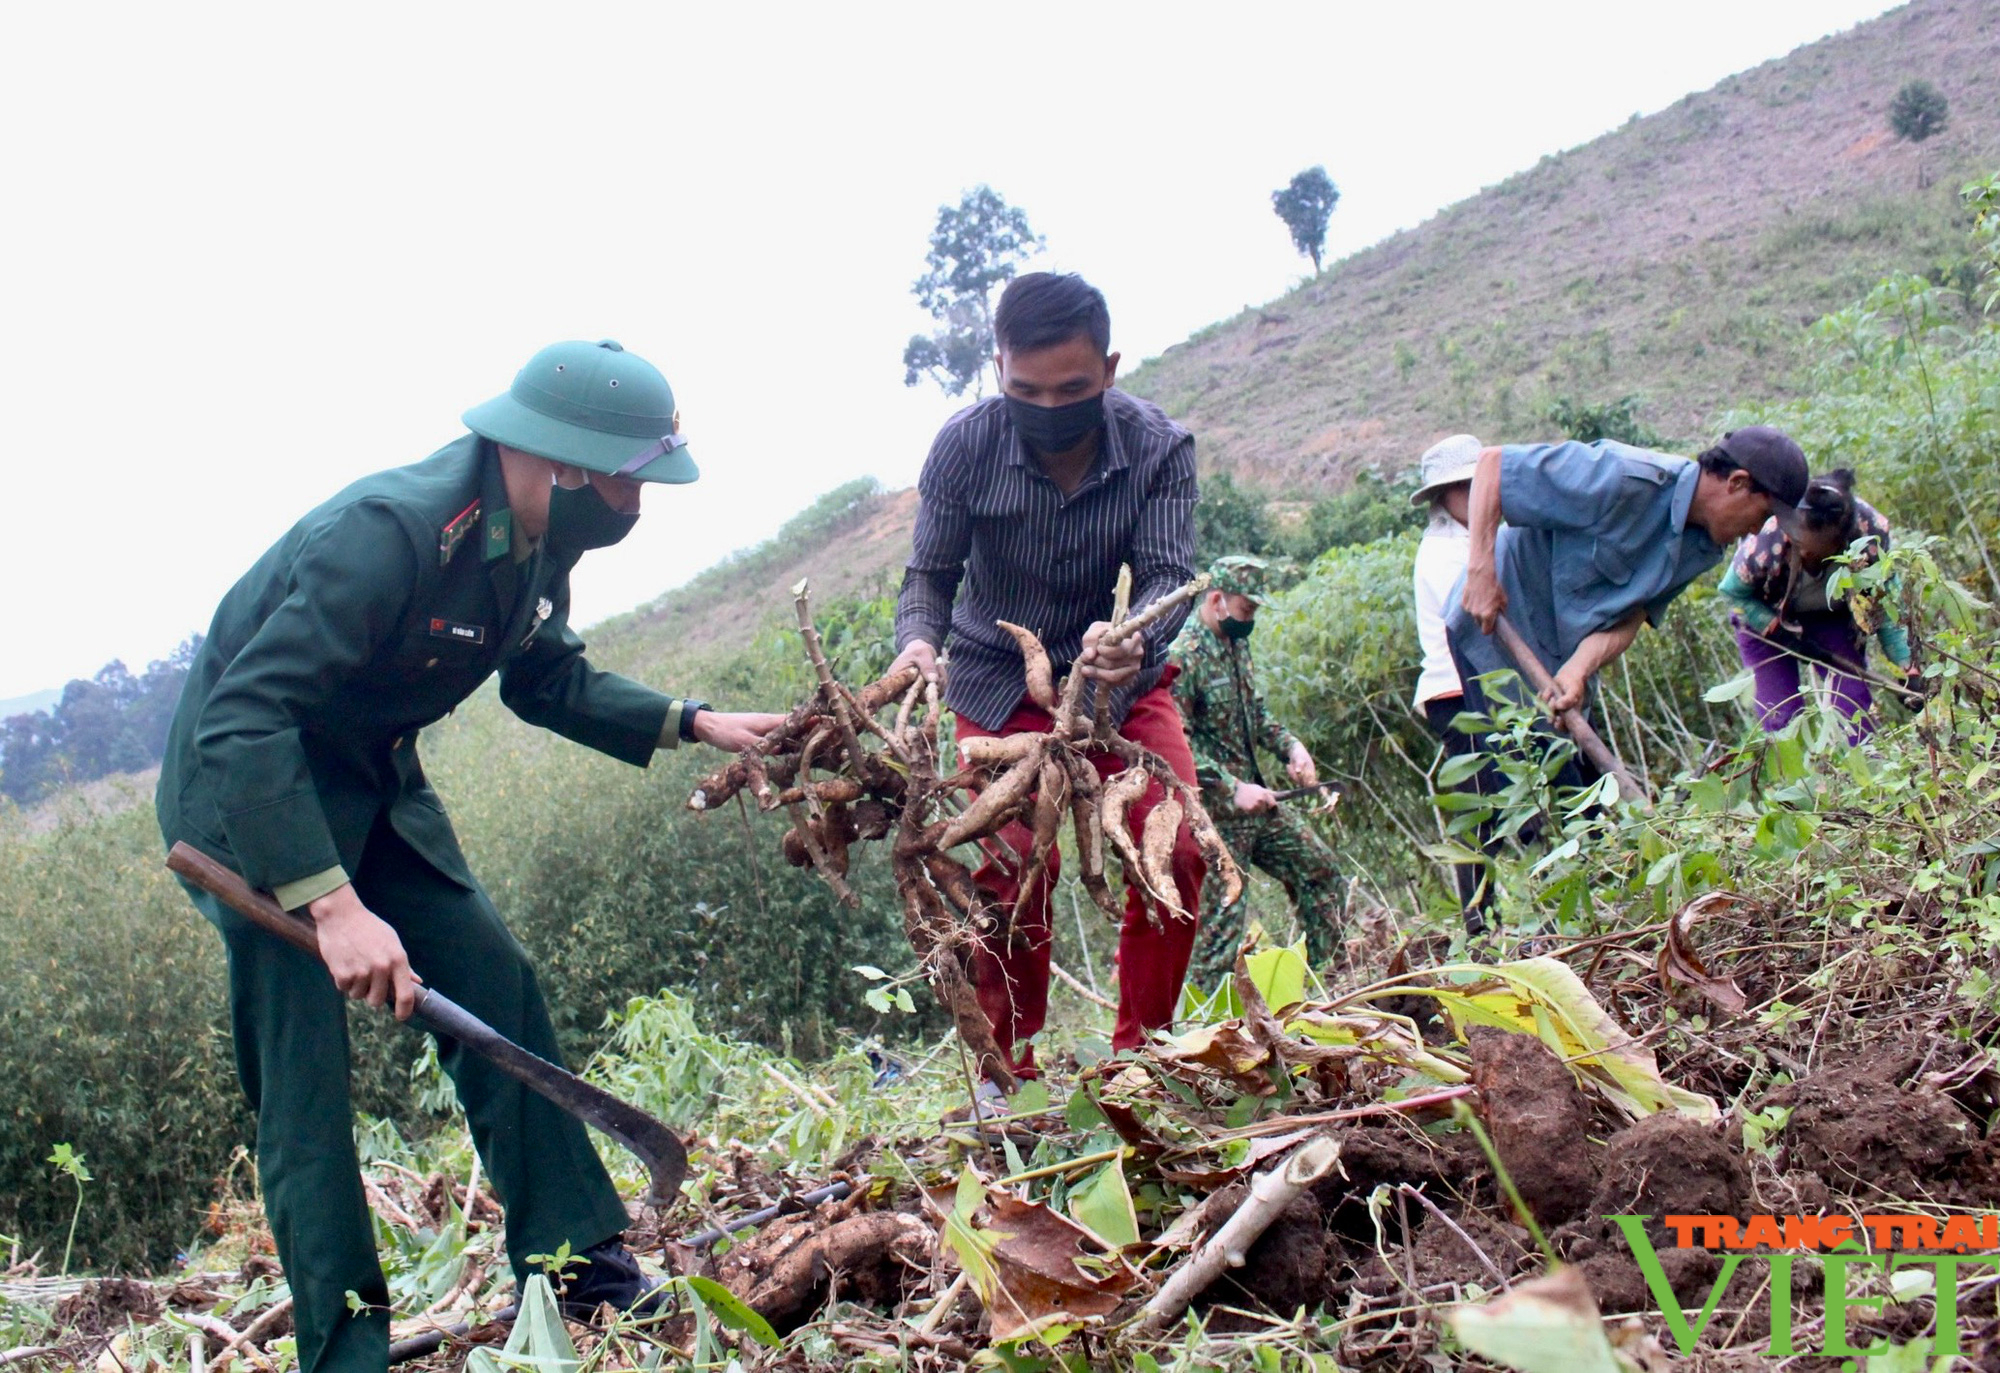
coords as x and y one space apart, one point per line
839 790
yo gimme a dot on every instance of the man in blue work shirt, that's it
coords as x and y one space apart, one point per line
1599 539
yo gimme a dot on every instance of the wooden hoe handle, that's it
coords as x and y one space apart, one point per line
1572 721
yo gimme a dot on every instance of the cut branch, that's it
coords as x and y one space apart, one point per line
1271 1191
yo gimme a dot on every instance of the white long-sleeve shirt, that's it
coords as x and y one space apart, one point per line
1441 558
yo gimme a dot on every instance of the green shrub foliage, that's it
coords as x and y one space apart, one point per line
114 1030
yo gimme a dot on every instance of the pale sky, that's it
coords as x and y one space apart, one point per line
261 250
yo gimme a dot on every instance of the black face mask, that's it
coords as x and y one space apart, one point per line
1233 628
1056 428
580 519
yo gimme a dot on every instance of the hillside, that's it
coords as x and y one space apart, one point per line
1677 257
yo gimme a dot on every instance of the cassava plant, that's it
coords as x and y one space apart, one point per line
886 780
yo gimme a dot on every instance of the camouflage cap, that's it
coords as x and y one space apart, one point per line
1241 575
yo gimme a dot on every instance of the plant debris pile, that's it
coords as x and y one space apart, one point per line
1306 1173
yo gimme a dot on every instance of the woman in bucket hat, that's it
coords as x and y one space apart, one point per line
1446 473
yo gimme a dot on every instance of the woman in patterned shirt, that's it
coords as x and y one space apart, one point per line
1782 614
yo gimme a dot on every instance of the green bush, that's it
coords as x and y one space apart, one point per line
113 1027
1370 508
1229 519
1589 421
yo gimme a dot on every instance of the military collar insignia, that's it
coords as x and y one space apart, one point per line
544 608
454 533
499 534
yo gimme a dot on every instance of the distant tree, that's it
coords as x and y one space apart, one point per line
1306 205
1587 421
977 245
1919 112
1228 519
113 722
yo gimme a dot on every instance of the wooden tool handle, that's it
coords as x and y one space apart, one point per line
1572 721
659 1148
233 892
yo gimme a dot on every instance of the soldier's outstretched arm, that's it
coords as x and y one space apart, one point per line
551 683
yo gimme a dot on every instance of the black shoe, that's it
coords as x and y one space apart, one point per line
611 1277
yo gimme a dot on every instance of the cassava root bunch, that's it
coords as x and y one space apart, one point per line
895 787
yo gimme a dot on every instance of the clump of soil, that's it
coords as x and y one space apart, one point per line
1373 1155
104 1307
1665 1165
1539 1122
1861 1129
1670 1164
1285 1268
1440 1255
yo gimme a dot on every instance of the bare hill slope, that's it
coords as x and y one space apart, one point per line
1677 257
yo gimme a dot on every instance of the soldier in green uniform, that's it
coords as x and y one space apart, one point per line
1227 722
293 758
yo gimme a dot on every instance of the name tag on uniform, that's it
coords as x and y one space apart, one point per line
452 629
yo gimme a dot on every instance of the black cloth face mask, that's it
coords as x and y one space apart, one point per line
1056 428
1233 628
580 519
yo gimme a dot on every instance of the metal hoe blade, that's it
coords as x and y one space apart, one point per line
659 1148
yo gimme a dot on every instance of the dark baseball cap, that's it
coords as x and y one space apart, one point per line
1776 463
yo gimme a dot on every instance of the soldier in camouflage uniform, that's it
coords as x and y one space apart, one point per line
1226 723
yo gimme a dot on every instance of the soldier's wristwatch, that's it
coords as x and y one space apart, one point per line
688 709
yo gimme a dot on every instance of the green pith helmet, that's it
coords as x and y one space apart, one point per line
594 406
1240 575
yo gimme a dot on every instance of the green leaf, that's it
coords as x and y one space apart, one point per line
971 1191
871 972
1544 997
1914 1357
1457 769
1734 689
904 1002
877 999
67 1160
1082 1114
1103 1206
1279 975
731 1311
1709 794
1545 1325
973 1247
1664 867
1033 1096
539 1339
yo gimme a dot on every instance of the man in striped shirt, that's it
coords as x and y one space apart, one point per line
1030 501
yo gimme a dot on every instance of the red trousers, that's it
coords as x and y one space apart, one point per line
1011 976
